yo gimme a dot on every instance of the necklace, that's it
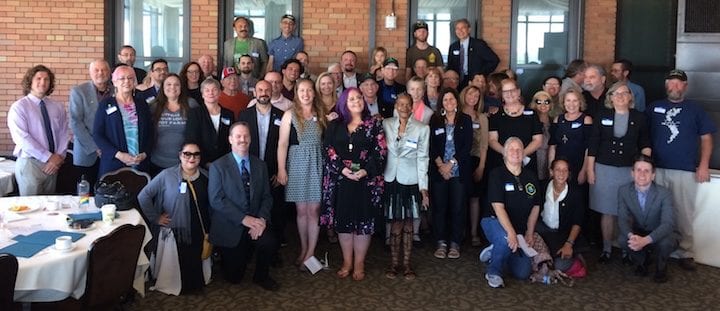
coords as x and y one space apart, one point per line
511 113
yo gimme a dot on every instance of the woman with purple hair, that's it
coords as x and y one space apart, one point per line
355 153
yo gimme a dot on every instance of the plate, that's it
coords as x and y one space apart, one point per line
88 228
72 247
29 210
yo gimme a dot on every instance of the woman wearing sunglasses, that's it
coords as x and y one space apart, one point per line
542 103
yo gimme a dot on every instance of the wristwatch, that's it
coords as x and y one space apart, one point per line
453 161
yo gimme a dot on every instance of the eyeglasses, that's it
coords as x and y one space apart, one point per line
616 93
127 78
188 154
160 69
510 91
542 102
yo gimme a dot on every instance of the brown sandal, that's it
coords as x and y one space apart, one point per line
409 274
392 272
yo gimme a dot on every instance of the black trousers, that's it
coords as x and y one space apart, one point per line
449 210
235 259
660 249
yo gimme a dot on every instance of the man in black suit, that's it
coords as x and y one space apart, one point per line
468 55
240 203
647 219
264 123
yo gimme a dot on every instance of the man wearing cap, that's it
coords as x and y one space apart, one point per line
681 137
470 55
246 79
231 98
245 43
286 45
421 49
348 59
369 88
620 71
389 89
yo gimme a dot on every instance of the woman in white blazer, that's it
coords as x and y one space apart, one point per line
406 181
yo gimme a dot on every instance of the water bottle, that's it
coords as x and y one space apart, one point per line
546 279
83 191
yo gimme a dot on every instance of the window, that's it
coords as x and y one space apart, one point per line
545 37
156 29
439 15
265 15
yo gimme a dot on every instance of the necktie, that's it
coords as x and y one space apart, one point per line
48 127
462 61
245 177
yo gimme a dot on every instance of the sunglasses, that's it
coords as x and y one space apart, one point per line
542 102
191 154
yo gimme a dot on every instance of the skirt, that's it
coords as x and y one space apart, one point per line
402 201
604 193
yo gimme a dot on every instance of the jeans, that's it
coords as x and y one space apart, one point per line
519 264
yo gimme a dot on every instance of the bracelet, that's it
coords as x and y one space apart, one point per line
572 243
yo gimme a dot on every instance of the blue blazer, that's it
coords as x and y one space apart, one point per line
109 134
228 203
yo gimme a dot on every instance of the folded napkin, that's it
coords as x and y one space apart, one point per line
47 238
23 249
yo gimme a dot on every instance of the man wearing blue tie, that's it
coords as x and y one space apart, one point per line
468 55
240 204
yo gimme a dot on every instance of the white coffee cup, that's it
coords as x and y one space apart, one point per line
63 242
108 213
52 206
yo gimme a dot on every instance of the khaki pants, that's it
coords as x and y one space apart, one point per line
684 189
31 179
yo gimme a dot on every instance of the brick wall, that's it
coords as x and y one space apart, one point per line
64 35
68 34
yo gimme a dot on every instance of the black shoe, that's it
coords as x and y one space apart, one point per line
604 257
268 284
626 260
660 276
641 271
276 261
688 264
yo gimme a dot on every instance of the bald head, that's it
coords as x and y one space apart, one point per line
99 70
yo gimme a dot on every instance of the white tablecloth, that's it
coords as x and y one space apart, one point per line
7 176
50 275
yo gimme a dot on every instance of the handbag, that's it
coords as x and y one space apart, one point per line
577 270
113 193
207 246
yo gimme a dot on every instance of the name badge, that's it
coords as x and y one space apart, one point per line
659 110
225 121
456 52
509 187
528 112
476 126
411 144
607 122
110 110
150 99
277 122
183 187
575 125
255 54
393 96
439 131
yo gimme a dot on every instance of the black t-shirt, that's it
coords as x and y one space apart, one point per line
524 127
518 193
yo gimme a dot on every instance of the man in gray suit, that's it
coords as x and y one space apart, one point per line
647 219
84 100
245 43
240 204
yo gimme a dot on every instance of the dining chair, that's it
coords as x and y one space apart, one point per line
8 274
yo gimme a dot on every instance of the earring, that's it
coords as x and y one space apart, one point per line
455 110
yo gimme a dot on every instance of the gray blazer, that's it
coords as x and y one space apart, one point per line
258 51
658 218
83 105
408 157
228 205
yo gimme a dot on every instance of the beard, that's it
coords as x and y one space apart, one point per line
263 100
675 96
246 71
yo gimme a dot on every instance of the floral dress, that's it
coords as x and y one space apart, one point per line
352 206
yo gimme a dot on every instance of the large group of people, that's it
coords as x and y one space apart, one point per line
457 149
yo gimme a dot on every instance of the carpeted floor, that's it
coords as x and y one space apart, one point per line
447 285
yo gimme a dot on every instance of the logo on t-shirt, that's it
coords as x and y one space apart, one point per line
530 189
672 124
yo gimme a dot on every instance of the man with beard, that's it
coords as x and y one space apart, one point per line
620 71
594 89
348 61
84 101
264 123
679 128
247 81
276 98
126 56
421 50
244 43
158 72
231 98
291 70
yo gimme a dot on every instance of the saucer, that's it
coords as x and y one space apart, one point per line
67 250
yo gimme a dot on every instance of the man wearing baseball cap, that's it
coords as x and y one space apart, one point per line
286 45
681 137
389 89
231 98
421 49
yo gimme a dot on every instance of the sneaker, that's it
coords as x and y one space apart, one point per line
494 281
486 254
